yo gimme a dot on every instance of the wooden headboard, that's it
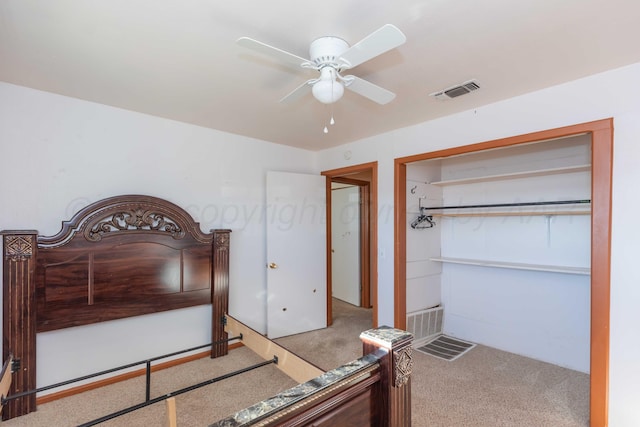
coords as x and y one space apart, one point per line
120 257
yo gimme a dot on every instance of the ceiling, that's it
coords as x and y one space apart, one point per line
180 60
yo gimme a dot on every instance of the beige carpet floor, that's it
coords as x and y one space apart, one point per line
483 388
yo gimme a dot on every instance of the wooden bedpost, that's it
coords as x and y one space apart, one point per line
220 291
19 320
396 365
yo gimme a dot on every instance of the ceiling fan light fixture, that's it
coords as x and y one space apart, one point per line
331 56
327 89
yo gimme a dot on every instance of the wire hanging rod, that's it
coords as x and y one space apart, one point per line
504 205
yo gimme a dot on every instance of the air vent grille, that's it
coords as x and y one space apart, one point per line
455 91
425 324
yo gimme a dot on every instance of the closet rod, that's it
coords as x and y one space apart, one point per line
504 205
514 213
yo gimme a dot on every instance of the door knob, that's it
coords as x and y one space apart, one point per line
273 265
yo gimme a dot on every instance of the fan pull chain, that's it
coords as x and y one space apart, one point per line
331 122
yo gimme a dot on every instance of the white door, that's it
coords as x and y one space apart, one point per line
345 243
296 253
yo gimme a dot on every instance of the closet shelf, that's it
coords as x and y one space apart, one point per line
514 175
585 271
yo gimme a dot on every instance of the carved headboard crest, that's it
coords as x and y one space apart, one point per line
137 219
127 214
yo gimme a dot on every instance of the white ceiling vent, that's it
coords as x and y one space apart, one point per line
455 91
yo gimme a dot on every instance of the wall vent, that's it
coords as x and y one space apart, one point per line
455 91
425 324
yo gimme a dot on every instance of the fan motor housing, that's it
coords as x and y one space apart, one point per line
327 50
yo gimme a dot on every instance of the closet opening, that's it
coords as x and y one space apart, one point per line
475 239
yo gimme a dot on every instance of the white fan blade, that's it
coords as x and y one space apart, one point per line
380 41
369 90
274 52
298 92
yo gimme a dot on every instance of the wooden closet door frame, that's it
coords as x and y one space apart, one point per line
601 132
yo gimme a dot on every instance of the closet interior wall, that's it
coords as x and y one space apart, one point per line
513 278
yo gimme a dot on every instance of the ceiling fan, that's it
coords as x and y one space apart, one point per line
331 56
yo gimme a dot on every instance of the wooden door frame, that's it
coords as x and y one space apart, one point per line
364 191
601 132
371 233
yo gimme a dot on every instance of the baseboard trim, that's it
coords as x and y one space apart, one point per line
123 377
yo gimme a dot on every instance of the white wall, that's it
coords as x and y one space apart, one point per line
59 154
612 94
